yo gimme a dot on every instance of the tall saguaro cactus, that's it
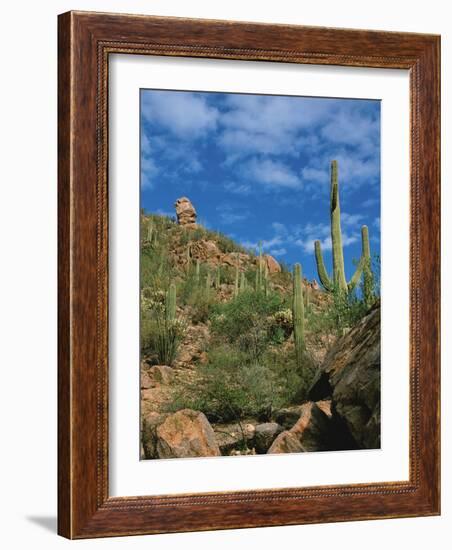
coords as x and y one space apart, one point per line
366 266
261 265
197 271
298 315
242 282
171 303
338 280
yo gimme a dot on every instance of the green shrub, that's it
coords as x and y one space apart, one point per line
244 321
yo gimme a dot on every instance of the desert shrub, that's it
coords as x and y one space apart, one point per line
231 387
160 335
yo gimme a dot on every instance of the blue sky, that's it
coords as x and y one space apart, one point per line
256 167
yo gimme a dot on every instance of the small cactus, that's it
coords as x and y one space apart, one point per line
298 315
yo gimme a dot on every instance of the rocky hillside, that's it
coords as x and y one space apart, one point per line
236 360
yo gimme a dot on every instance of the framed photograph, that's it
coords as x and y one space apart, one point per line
248 275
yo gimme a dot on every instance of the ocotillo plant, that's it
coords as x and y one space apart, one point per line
338 280
298 315
171 303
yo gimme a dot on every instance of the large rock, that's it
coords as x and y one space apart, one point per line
350 375
149 424
272 265
286 442
185 212
162 374
264 436
233 437
186 433
205 251
310 433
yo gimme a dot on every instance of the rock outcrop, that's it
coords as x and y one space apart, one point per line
272 265
350 376
185 212
310 433
264 436
186 433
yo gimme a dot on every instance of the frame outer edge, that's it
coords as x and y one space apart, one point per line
79 513
64 277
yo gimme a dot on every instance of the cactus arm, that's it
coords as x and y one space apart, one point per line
321 270
356 276
298 315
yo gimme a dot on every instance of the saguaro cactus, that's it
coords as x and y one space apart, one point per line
208 281
197 271
171 303
338 279
366 266
242 281
218 277
236 281
261 266
150 230
298 315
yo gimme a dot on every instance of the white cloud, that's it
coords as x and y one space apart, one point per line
322 232
181 113
278 251
271 173
148 172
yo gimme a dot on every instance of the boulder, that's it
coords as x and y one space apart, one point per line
264 436
233 437
350 376
186 433
288 416
145 381
311 432
205 251
185 212
272 265
286 442
161 374
149 425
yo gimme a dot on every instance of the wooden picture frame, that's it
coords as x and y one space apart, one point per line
85 42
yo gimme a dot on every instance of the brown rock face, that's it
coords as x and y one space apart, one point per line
350 375
186 433
310 433
185 212
161 374
272 264
264 436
